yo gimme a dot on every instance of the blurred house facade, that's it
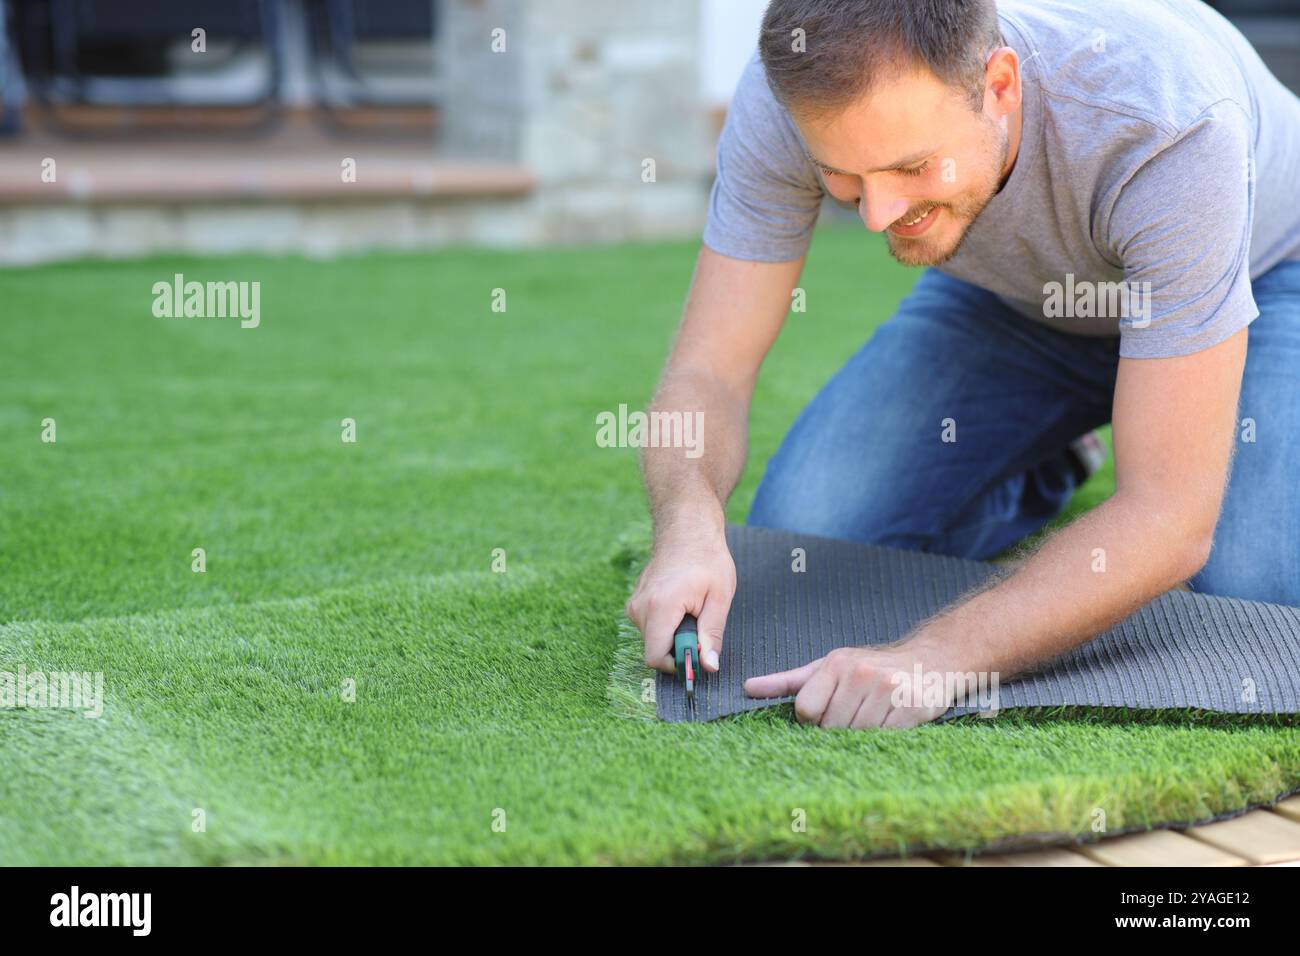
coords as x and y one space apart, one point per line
546 121
330 126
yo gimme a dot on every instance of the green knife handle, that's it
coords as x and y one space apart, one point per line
687 636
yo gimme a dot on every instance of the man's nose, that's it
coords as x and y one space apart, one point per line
877 208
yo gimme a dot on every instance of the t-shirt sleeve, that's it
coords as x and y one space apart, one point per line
1181 227
766 196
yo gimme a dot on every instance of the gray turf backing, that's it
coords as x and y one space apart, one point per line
1183 650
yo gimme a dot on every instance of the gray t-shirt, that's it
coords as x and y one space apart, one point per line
1156 150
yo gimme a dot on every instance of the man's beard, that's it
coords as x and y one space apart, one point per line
922 251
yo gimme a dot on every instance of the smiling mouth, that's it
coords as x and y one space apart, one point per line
916 226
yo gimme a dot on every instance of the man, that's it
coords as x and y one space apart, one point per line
1107 196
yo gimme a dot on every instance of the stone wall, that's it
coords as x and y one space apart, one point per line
583 93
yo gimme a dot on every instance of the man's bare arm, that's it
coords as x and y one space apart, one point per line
733 314
1174 428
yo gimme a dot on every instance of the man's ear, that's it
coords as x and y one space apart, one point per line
1002 79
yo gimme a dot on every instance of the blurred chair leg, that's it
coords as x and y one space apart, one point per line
11 99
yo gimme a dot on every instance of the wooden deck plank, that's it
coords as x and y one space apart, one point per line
1052 856
1159 848
1260 836
895 861
890 861
1290 807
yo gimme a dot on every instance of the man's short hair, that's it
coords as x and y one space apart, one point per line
847 46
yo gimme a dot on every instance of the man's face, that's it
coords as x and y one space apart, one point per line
950 161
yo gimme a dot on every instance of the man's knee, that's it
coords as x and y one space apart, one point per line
834 500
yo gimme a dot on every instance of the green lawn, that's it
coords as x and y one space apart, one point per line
475 691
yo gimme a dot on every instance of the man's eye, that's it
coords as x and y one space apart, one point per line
827 172
916 170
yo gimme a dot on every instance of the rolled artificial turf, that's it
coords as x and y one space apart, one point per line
1182 651
400 649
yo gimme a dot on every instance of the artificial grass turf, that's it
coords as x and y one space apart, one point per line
478 692
474 690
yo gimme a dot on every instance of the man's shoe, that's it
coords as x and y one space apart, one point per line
1088 454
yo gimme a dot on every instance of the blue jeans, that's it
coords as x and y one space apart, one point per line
865 460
